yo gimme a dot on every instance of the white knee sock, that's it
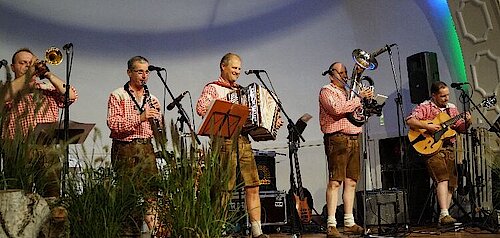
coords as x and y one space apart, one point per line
331 221
349 220
256 228
444 212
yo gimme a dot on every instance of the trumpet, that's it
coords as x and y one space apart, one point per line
53 56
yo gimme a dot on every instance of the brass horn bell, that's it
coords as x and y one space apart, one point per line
364 59
53 56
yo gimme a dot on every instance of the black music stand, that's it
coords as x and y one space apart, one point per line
48 133
223 119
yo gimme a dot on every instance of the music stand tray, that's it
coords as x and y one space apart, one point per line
48 132
223 119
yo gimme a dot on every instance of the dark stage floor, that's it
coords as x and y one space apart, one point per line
415 232
463 230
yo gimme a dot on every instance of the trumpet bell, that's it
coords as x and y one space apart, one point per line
53 56
364 59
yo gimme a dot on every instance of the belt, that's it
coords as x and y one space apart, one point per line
337 133
134 141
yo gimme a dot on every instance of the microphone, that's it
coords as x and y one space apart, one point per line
382 50
3 63
67 46
326 72
458 85
254 71
154 68
176 100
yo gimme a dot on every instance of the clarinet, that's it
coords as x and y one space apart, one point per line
156 125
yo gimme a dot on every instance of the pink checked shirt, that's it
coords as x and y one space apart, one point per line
427 110
214 90
124 119
48 112
333 109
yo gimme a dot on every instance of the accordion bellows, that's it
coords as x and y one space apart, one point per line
264 111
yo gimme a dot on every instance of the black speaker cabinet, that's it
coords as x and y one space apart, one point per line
384 207
422 72
273 207
266 166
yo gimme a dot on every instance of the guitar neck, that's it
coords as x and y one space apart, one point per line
300 190
458 117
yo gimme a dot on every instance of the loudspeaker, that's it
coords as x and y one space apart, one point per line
409 174
422 72
273 207
266 167
383 206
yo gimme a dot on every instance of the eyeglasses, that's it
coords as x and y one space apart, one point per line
141 72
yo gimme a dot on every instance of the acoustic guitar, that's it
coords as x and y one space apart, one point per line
427 143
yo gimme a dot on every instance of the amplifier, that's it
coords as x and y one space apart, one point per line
266 167
384 206
273 207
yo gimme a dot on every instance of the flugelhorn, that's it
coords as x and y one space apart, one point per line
53 56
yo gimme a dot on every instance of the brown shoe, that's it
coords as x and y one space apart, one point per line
332 232
447 220
354 230
59 213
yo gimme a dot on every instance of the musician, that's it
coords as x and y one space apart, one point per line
132 153
230 67
440 166
28 102
25 86
341 140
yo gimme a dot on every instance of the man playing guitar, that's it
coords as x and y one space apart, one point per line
441 165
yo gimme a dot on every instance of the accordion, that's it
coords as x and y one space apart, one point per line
264 111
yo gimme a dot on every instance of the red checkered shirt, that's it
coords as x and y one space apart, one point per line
427 110
124 118
47 110
214 90
333 110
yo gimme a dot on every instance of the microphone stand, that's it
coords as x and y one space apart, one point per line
466 96
472 193
69 63
402 142
183 115
293 144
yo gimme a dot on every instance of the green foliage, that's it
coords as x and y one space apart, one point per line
98 204
194 200
28 163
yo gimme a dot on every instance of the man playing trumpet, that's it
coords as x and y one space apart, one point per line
28 103
27 68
